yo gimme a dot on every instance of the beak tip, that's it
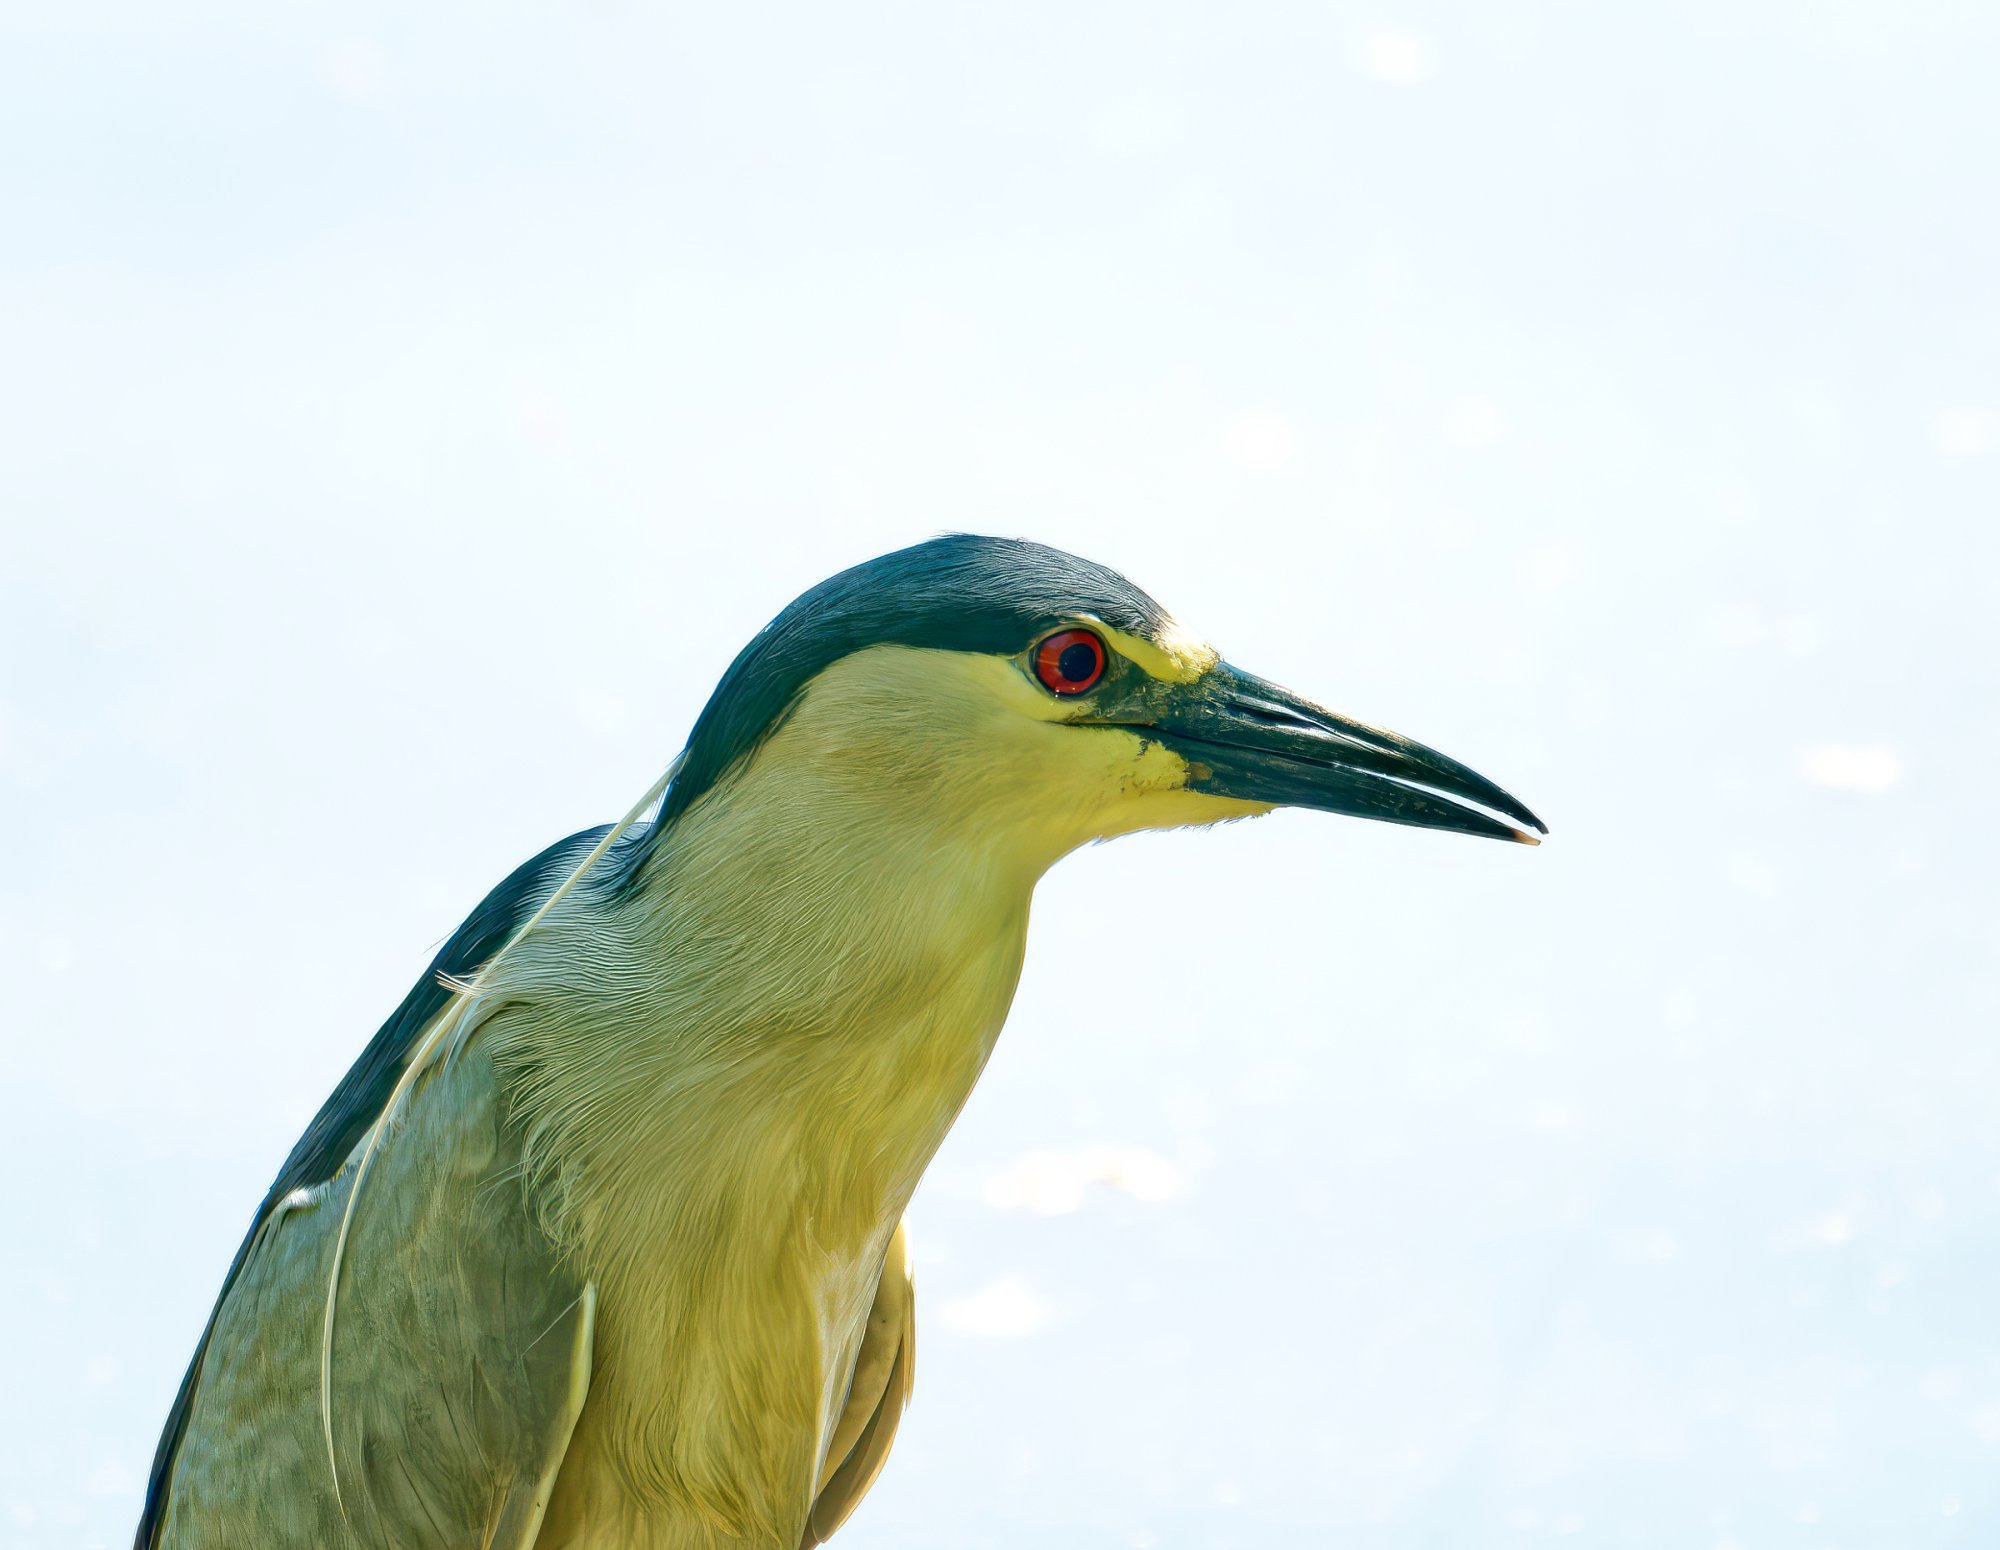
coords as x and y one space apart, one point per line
1533 821
1522 836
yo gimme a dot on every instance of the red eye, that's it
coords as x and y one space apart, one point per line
1069 661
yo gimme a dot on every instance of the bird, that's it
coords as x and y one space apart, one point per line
600 1240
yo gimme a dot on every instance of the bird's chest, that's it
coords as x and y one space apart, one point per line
739 1259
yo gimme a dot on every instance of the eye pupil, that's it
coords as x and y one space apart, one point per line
1069 661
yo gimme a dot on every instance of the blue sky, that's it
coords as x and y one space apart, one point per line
409 414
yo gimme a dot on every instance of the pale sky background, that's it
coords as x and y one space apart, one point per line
409 410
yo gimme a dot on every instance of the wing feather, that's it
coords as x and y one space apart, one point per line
465 1355
884 1374
314 1165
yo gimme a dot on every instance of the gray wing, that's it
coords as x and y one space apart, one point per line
443 1258
884 1372
460 1361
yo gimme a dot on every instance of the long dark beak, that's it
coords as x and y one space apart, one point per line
1246 738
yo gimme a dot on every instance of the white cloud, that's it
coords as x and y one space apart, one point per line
1475 422
1648 1246
1399 58
1006 1310
111 1480
1259 441
1134 126
1753 874
1552 567
1869 768
1054 1183
354 71
1743 625
1966 430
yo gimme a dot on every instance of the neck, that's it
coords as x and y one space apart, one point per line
756 1055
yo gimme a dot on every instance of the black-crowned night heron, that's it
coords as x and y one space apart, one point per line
599 1242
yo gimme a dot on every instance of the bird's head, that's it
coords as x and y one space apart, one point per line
1010 693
